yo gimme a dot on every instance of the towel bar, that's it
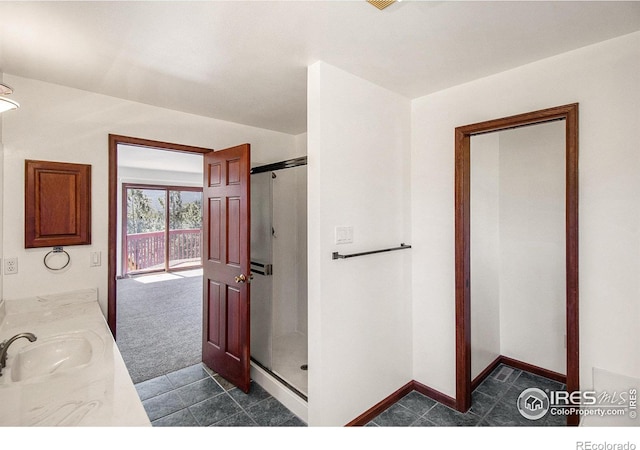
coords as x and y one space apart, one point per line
337 255
261 268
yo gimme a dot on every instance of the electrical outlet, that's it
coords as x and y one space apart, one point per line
10 266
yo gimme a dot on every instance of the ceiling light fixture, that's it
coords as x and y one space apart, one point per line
5 103
381 4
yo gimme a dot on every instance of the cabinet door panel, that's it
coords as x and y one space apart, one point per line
57 204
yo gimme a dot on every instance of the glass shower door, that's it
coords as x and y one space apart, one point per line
261 259
279 296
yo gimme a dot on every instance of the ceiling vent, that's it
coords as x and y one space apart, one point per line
381 4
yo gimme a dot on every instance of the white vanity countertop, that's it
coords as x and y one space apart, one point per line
96 391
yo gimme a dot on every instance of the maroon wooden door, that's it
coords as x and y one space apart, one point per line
226 264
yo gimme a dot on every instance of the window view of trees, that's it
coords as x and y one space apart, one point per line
184 214
148 243
142 215
146 210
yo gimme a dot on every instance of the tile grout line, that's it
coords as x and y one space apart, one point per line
211 375
241 407
236 402
510 385
224 391
424 415
175 388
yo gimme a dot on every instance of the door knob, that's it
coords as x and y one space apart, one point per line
241 279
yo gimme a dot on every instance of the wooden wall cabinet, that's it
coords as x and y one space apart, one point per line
57 204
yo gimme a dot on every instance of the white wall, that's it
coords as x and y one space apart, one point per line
359 309
517 247
158 177
1 209
57 123
302 321
301 145
1 184
485 251
302 255
603 78
532 245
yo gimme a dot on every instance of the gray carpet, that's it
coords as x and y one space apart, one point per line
159 324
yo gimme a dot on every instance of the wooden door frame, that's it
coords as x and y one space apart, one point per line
463 135
114 141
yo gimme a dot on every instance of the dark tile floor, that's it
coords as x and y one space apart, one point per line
194 397
493 403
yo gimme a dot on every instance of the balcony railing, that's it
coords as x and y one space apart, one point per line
146 251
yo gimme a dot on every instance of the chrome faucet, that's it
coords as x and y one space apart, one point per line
5 345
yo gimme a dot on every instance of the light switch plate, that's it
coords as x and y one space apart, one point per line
96 259
344 235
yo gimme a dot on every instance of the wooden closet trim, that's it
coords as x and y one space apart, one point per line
463 135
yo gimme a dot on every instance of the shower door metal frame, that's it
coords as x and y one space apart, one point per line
286 164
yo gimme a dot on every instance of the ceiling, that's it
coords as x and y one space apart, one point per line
246 61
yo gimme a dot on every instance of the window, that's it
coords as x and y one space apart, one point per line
163 229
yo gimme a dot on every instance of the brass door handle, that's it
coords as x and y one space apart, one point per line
242 278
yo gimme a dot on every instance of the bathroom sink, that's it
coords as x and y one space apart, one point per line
55 354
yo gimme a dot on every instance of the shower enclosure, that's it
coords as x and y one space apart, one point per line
279 268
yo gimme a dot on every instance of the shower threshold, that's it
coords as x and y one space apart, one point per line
280 379
274 386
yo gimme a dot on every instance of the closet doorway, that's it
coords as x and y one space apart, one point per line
463 232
